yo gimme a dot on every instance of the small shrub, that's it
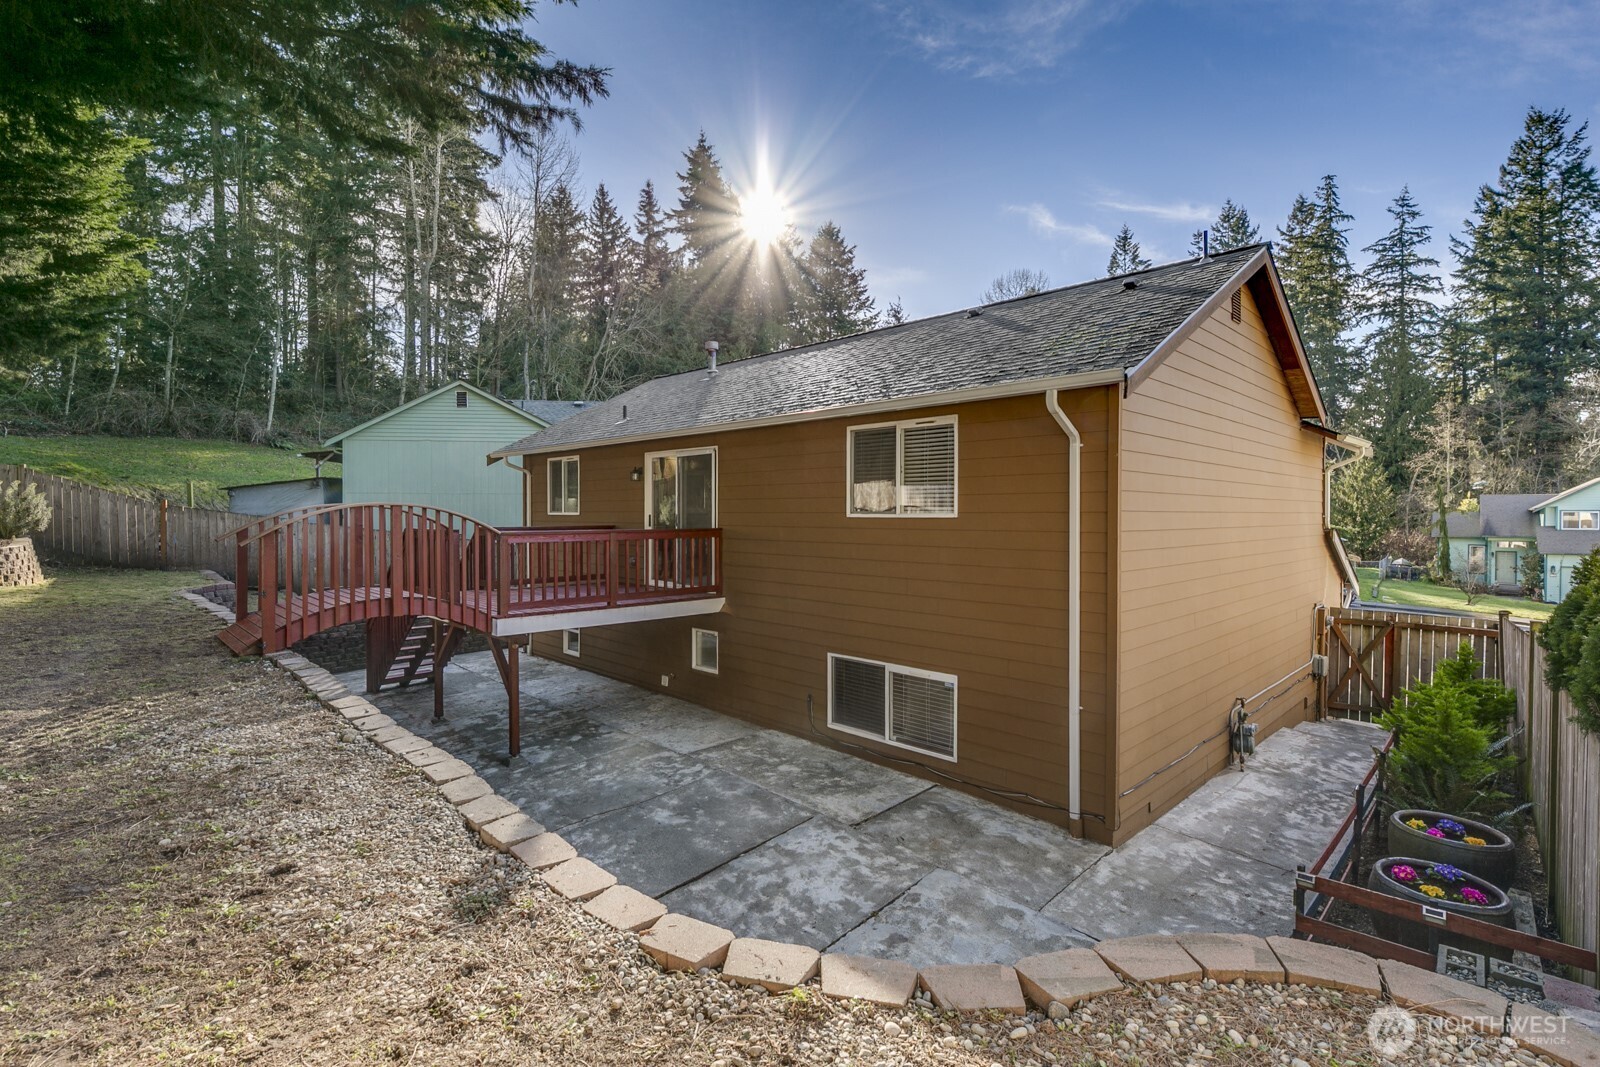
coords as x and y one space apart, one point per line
23 511
1445 756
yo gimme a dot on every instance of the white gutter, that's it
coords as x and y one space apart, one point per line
1360 448
1052 402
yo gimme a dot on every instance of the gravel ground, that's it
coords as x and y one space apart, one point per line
199 863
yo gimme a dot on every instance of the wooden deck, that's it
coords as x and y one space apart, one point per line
323 567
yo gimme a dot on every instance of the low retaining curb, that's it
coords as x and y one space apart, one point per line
1053 982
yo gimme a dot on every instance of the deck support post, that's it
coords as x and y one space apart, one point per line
438 670
505 658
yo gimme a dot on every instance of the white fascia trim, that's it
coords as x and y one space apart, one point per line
583 619
1085 380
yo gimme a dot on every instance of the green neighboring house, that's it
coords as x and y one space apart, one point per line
431 451
1493 540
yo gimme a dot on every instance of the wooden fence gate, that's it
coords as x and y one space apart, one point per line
1374 654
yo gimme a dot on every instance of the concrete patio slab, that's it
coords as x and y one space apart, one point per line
631 771
1164 882
810 885
948 916
669 722
1025 859
686 832
839 785
777 837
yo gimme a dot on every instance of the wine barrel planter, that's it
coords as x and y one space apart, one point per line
1495 861
1426 936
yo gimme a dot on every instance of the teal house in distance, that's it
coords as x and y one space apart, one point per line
1508 527
431 451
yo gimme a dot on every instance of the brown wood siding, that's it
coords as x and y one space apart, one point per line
981 596
1221 556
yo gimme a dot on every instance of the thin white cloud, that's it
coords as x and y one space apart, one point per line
1044 221
1002 39
1175 212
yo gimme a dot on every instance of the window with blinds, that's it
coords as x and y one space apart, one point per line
563 483
903 468
899 705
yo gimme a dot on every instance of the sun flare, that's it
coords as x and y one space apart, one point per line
763 215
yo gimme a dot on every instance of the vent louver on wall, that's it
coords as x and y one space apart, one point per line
461 398
1236 307
912 709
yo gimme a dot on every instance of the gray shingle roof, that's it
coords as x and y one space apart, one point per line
1498 515
1554 542
551 412
1094 326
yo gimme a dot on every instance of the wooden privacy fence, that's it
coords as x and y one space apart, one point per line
1373 654
1562 779
95 525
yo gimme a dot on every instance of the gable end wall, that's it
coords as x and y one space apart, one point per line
1222 559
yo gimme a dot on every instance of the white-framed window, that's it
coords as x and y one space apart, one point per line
1477 557
902 468
902 706
1580 520
704 650
563 483
572 642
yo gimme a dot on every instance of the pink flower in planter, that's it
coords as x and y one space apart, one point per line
1434 831
1473 896
1402 873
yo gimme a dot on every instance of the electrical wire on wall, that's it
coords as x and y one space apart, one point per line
1293 678
1021 798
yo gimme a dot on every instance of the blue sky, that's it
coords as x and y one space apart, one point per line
954 141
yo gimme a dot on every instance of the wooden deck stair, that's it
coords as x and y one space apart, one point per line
243 638
412 662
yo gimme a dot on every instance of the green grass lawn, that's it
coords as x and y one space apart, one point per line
159 466
1429 595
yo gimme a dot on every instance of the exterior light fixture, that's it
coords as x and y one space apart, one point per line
637 474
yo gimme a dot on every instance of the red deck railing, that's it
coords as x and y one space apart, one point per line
325 566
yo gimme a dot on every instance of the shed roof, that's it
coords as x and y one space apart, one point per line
1102 330
449 387
551 412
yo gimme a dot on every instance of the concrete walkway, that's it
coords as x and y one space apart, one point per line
778 837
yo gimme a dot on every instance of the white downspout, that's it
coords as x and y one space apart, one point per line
1052 401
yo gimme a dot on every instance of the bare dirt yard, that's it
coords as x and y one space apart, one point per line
200 864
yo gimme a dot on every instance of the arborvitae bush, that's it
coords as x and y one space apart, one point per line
1572 647
23 511
1445 730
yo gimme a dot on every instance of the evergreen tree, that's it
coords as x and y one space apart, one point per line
1315 264
707 215
1397 297
655 260
64 256
1126 257
607 254
1528 296
834 300
1363 507
1233 229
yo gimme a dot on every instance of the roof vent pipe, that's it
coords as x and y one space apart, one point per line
711 357
1205 244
